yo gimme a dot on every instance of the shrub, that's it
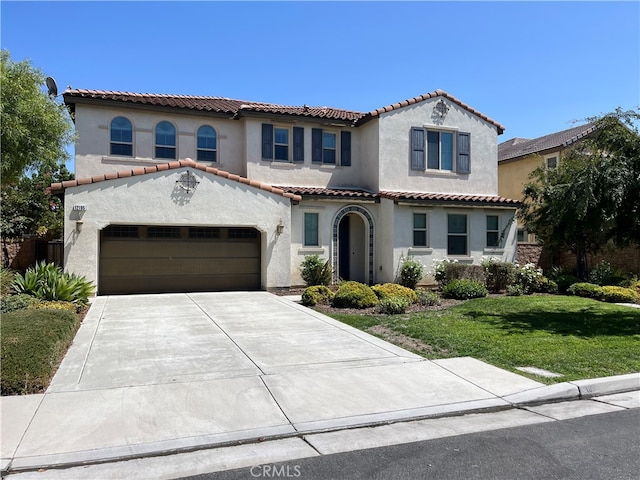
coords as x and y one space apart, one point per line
55 305
583 289
498 275
530 277
411 272
565 281
354 295
427 298
613 294
547 286
315 271
464 289
17 302
515 290
49 282
393 305
33 342
7 277
316 294
446 271
604 274
395 290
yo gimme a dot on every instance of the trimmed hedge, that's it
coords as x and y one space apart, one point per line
33 343
464 289
499 275
317 294
394 290
608 293
393 305
354 295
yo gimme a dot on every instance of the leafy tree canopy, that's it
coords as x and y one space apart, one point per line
35 129
29 208
592 197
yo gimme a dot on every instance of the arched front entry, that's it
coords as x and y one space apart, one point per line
353 237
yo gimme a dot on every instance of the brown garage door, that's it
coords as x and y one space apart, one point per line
153 259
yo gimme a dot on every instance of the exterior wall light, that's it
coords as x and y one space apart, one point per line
280 228
78 226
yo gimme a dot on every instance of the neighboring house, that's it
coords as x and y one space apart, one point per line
270 184
519 157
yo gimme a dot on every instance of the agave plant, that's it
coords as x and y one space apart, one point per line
46 281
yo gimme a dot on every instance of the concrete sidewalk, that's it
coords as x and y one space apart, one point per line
157 374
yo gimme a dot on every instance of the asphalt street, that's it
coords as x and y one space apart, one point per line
594 447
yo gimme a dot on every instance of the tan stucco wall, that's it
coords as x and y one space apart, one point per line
154 199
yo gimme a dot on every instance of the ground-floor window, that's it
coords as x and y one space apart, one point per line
493 231
457 236
311 238
420 230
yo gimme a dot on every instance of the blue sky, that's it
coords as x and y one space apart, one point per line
535 67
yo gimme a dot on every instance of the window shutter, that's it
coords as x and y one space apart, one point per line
267 141
464 153
298 144
345 149
316 145
417 148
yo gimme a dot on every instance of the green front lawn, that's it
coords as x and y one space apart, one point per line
576 337
33 343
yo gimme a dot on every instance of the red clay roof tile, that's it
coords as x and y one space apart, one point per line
60 186
235 108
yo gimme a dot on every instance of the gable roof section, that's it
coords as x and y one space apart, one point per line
60 186
518 147
437 93
236 108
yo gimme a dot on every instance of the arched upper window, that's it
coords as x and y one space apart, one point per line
207 144
121 137
165 140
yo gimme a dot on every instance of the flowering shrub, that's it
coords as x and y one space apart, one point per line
530 277
411 272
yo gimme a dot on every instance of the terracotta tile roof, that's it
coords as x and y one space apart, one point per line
352 193
437 93
238 107
521 147
450 198
60 186
211 104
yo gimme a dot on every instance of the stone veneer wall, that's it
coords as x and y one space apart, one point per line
626 259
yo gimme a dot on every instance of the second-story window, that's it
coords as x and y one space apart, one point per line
207 142
331 148
165 140
440 150
121 137
282 143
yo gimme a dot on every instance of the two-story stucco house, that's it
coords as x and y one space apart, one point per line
179 193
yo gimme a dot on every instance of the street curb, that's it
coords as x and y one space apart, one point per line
566 391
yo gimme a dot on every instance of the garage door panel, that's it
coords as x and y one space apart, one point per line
175 266
154 249
150 265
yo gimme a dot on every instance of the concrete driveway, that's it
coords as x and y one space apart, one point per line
163 373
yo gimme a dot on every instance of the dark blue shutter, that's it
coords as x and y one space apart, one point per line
267 141
464 153
298 144
417 148
316 145
345 149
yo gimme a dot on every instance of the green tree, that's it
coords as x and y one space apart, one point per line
35 129
28 206
592 197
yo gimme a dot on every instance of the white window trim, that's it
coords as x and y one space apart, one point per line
155 143
133 138
217 149
289 130
427 230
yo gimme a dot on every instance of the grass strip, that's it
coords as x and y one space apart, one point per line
33 343
576 337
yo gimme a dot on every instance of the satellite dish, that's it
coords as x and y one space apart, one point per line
53 88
